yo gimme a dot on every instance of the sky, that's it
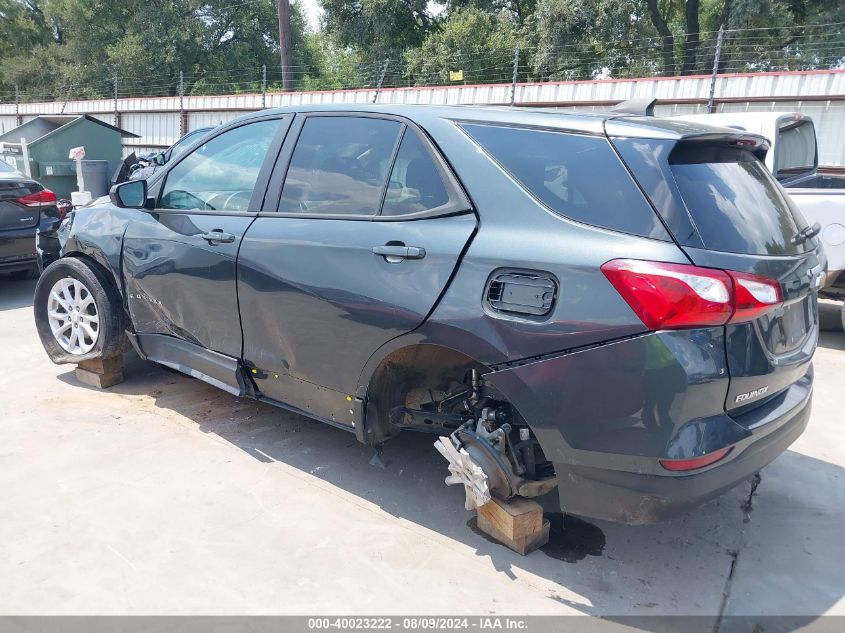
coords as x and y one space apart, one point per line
313 11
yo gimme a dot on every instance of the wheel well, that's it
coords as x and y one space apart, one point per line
94 263
421 366
107 274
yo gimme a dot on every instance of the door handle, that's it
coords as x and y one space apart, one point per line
399 252
218 237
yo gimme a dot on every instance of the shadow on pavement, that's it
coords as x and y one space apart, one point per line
683 566
832 340
15 294
830 316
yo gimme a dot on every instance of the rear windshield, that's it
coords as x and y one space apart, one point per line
735 204
795 152
574 175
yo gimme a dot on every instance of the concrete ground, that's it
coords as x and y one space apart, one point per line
164 495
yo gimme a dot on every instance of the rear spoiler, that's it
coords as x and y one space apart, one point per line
754 143
641 107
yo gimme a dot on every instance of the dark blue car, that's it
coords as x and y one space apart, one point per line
26 209
620 307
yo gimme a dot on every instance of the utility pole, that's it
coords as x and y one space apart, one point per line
715 69
263 86
284 43
515 74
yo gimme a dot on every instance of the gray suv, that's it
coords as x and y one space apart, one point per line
615 306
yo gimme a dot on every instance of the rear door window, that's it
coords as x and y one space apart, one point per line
577 176
415 183
734 202
340 166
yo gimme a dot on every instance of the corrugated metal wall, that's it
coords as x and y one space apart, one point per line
160 120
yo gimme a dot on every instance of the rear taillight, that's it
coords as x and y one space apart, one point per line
754 296
43 198
672 296
676 296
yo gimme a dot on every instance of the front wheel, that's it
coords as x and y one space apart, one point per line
78 312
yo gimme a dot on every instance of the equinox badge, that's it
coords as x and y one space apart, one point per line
752 394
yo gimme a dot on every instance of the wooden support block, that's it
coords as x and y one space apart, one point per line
517 524
101 373
515 518
103 365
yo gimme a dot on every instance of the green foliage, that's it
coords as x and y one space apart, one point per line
60 49
583 39
377 29
334 67
479 43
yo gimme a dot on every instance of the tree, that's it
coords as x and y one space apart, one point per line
584 39
479 43
807 34
60 48
377 29
522 9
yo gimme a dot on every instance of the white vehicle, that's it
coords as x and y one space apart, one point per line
793 159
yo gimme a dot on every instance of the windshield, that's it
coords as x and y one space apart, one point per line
795 152
734 203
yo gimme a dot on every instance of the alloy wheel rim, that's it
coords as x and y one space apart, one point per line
73 316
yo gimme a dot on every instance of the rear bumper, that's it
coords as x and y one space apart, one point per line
606 416
17 250
635 498
15 265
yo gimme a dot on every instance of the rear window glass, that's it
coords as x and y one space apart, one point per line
796 149
415 184
735 204
576 176
340 166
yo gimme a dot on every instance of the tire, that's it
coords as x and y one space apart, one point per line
81 299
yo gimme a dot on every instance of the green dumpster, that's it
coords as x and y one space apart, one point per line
49 140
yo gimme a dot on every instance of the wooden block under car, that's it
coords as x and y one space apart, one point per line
101 373
517 524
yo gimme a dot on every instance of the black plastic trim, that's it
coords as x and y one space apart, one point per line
212 367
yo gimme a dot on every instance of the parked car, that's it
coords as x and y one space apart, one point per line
625 306
151 163
26 208
794 161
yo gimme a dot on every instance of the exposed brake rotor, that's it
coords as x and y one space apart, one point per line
464 471
474 461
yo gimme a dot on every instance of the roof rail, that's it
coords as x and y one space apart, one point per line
642 107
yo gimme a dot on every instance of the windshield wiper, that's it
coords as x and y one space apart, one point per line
806 233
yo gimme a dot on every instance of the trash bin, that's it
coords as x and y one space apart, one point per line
49 140
95 173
